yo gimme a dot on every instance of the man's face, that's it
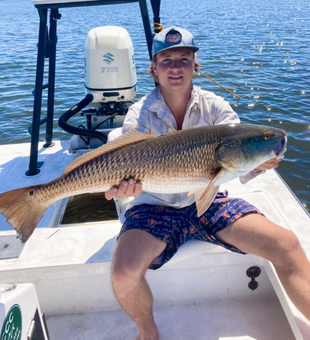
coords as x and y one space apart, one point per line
175 68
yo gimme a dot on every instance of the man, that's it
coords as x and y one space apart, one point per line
154 226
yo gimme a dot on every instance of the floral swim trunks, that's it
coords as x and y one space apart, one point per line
176 226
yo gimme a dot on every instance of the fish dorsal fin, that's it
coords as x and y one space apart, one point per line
129 138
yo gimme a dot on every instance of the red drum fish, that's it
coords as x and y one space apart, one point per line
196 160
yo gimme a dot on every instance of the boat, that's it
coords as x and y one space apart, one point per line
57 285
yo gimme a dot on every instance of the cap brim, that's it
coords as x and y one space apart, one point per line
191 47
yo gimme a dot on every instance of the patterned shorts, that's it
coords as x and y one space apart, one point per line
176 226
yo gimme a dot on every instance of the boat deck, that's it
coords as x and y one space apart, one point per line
230 319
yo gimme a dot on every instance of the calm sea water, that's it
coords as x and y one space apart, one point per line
258 49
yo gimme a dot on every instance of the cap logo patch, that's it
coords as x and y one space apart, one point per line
173 37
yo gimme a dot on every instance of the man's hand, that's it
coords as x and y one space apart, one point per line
127 188
270 164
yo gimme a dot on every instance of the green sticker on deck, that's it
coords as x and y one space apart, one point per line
12 325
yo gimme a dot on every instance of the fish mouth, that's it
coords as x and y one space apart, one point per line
281 148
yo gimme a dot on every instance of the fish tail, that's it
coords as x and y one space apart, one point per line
22 211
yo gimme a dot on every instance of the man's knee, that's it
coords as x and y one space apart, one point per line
125 274
289 243
134 252
288 252
124 269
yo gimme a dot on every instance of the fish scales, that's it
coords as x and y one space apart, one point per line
163 165
183 161
158 159
152 161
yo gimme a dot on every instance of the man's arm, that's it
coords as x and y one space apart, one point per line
270 164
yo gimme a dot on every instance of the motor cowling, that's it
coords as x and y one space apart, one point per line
110 70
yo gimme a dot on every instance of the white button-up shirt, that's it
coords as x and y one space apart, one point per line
152 115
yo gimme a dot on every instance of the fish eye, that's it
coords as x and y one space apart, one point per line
266 136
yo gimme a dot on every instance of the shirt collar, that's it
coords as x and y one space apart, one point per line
194 101
157 102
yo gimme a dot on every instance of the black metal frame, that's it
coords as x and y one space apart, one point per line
47 49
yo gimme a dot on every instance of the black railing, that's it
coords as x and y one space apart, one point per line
45 38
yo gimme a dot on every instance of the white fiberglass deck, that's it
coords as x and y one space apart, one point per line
201 293
233 319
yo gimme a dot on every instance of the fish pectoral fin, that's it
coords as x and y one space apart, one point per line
192 192
204 199
129 138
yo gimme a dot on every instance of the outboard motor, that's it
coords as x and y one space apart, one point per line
110 70
111 85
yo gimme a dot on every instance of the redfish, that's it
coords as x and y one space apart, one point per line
196 160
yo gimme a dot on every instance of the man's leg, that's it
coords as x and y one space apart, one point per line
255 234
134 252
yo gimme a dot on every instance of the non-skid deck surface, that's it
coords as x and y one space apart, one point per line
237 319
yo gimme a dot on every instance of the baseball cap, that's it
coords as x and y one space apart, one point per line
173 37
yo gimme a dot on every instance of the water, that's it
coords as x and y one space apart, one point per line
258 49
